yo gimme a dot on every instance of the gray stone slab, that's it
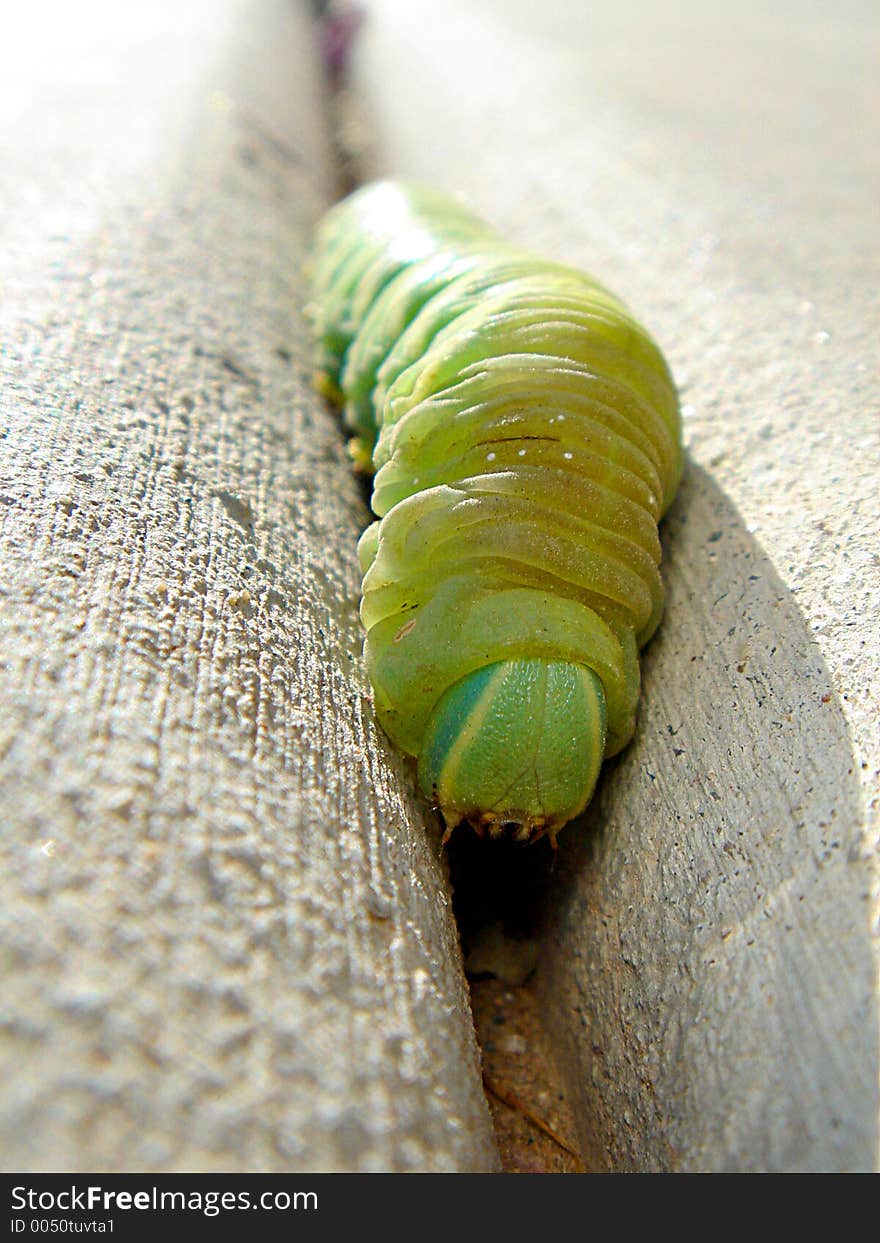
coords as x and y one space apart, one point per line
226 936
711 953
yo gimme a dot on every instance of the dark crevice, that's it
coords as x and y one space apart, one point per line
499 887
500 894
337 26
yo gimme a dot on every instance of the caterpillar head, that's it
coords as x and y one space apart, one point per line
515 747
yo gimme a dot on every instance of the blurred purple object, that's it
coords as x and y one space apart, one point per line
339 25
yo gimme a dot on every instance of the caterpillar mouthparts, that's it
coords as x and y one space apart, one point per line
525 436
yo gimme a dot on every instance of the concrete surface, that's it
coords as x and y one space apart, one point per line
225 935
710 957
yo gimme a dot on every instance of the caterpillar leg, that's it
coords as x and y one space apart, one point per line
516 747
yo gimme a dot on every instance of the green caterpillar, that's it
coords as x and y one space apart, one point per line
525 436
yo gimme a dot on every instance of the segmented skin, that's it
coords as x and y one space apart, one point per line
525 436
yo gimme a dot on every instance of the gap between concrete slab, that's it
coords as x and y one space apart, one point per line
498 891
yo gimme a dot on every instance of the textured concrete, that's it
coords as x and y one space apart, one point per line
225 935
711 956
